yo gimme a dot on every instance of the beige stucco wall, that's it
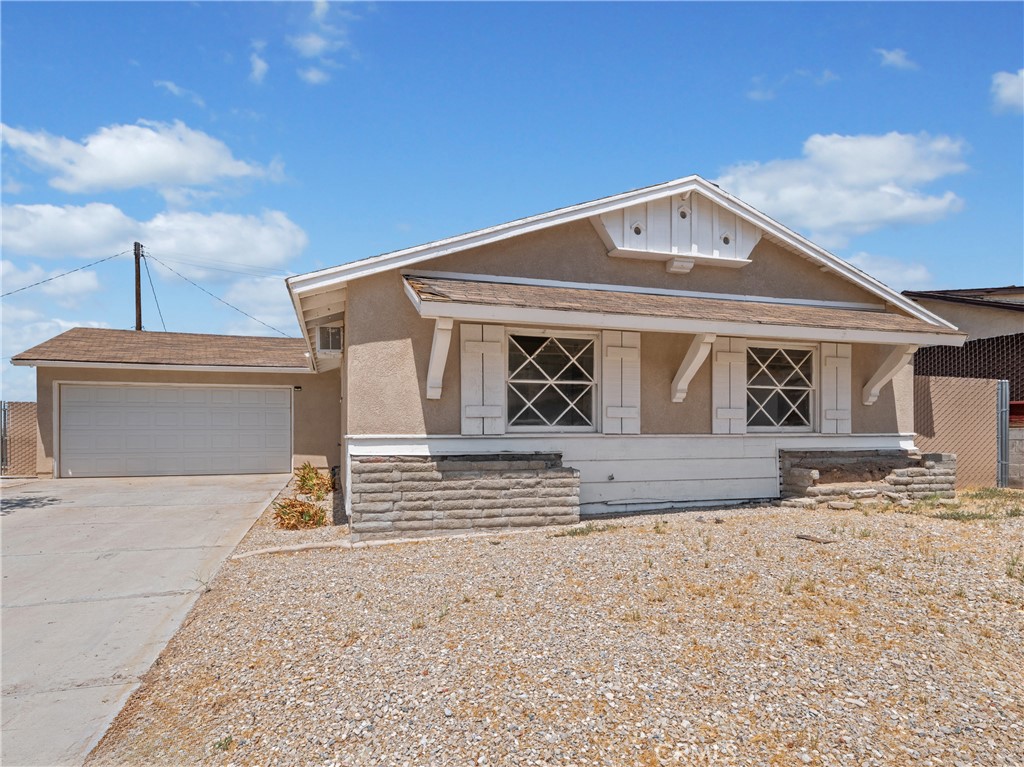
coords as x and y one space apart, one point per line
977 321
388 351
315 414
575 253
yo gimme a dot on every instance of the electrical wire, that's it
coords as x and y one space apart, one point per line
65 274
211 295
145 261
220 265
206 265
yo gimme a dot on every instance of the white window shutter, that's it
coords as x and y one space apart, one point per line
620 382
729 386
483 378
836 397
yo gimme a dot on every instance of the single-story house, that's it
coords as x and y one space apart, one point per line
651 349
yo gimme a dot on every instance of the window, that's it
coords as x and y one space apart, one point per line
329 340
550 382
780 388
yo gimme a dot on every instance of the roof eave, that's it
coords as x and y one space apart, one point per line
27 362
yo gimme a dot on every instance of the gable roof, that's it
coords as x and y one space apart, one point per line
103 347
325 279
1008 297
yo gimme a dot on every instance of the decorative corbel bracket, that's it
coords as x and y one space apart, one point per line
438 356
898 358
695 356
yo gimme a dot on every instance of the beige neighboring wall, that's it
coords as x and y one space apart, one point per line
977 321
574 252
315 420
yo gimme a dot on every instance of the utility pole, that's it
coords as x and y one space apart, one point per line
138 286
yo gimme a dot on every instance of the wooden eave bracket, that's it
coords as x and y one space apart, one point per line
438 356
695 356
898 358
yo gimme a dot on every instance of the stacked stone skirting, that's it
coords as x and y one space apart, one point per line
403 496
843 478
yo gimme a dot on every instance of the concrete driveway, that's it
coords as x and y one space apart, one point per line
98 574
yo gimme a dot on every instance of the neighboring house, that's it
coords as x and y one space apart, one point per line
652 349
993 319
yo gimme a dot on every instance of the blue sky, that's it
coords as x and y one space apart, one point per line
241 142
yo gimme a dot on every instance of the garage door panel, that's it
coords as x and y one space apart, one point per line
145 430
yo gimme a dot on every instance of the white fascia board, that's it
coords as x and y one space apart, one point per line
341 274
310 352
600 320
144 366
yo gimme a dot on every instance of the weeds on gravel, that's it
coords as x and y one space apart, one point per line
294 514
1015 565
224 744
311 482
588 529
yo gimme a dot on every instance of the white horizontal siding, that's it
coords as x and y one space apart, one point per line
649 471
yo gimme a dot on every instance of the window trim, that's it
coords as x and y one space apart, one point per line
593 336
341 337
815 391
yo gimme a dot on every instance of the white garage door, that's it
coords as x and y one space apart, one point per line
137 431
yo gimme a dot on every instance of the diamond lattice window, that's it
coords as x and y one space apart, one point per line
550 382
779 387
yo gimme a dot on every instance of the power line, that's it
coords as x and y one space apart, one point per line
65 274
206 265
155 299
211 295
213 263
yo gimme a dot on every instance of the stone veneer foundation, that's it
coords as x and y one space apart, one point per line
811 477
404 496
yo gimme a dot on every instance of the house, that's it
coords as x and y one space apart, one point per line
652 349
993 319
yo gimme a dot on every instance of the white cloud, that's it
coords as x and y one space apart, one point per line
848 185
893 272
152 154
314 76
266 299
268 240
764 91
49 231
67 290
312 45
258 68
896 58
22 328
320 8
1008 91
182 93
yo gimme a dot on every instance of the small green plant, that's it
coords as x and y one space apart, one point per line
863 533
787 587
661 527
963 515
443 613
309 481
960 593
224 744
417 624
499 592
1015 511
707 542
633 616
294 514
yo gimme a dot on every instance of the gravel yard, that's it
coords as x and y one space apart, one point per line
713 637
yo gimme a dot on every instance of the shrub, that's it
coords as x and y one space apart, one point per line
311 482
293 514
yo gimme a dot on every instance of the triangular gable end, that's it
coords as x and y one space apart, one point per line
713 215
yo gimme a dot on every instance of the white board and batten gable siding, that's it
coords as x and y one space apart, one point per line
681 230
483 374
620 382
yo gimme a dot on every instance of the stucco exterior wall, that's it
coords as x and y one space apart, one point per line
388 352
575 253
315 413
977 321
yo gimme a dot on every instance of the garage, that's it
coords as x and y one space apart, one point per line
125 430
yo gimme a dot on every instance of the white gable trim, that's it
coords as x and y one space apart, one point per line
317 281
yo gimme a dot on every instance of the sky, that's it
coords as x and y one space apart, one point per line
242 142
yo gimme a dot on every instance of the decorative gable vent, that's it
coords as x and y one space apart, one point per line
683 230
